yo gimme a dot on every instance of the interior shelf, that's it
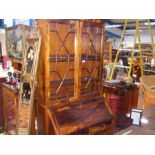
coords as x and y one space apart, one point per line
70 81
66 58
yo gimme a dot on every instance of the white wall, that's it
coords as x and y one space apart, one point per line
145 37
115 42
114 30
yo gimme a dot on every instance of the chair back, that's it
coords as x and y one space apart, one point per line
147 82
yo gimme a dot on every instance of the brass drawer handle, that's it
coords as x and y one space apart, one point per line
97 129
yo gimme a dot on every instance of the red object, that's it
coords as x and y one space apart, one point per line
116 104
117 108
5 59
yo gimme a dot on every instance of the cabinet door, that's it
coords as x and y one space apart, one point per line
10 112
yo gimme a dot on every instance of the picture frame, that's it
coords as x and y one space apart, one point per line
136 115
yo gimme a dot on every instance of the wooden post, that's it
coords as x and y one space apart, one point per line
139 47
110 51
77 60
101 61
47 72
44 71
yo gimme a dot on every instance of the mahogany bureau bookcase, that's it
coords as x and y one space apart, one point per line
70 77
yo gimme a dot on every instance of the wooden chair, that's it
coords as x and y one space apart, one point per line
148 84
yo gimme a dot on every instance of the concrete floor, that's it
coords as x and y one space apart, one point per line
148 120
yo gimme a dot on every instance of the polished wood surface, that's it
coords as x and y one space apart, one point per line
68 118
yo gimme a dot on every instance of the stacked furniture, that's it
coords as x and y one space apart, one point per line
70 78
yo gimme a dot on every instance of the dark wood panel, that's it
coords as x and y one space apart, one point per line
10 104
1 105
72 117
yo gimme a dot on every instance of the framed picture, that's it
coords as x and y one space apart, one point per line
136 115
16 37
14 41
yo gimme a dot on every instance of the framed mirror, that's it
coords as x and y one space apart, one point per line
26 92
28 81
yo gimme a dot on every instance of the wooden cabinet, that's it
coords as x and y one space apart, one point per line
123 96
1 105
10 106
70 68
